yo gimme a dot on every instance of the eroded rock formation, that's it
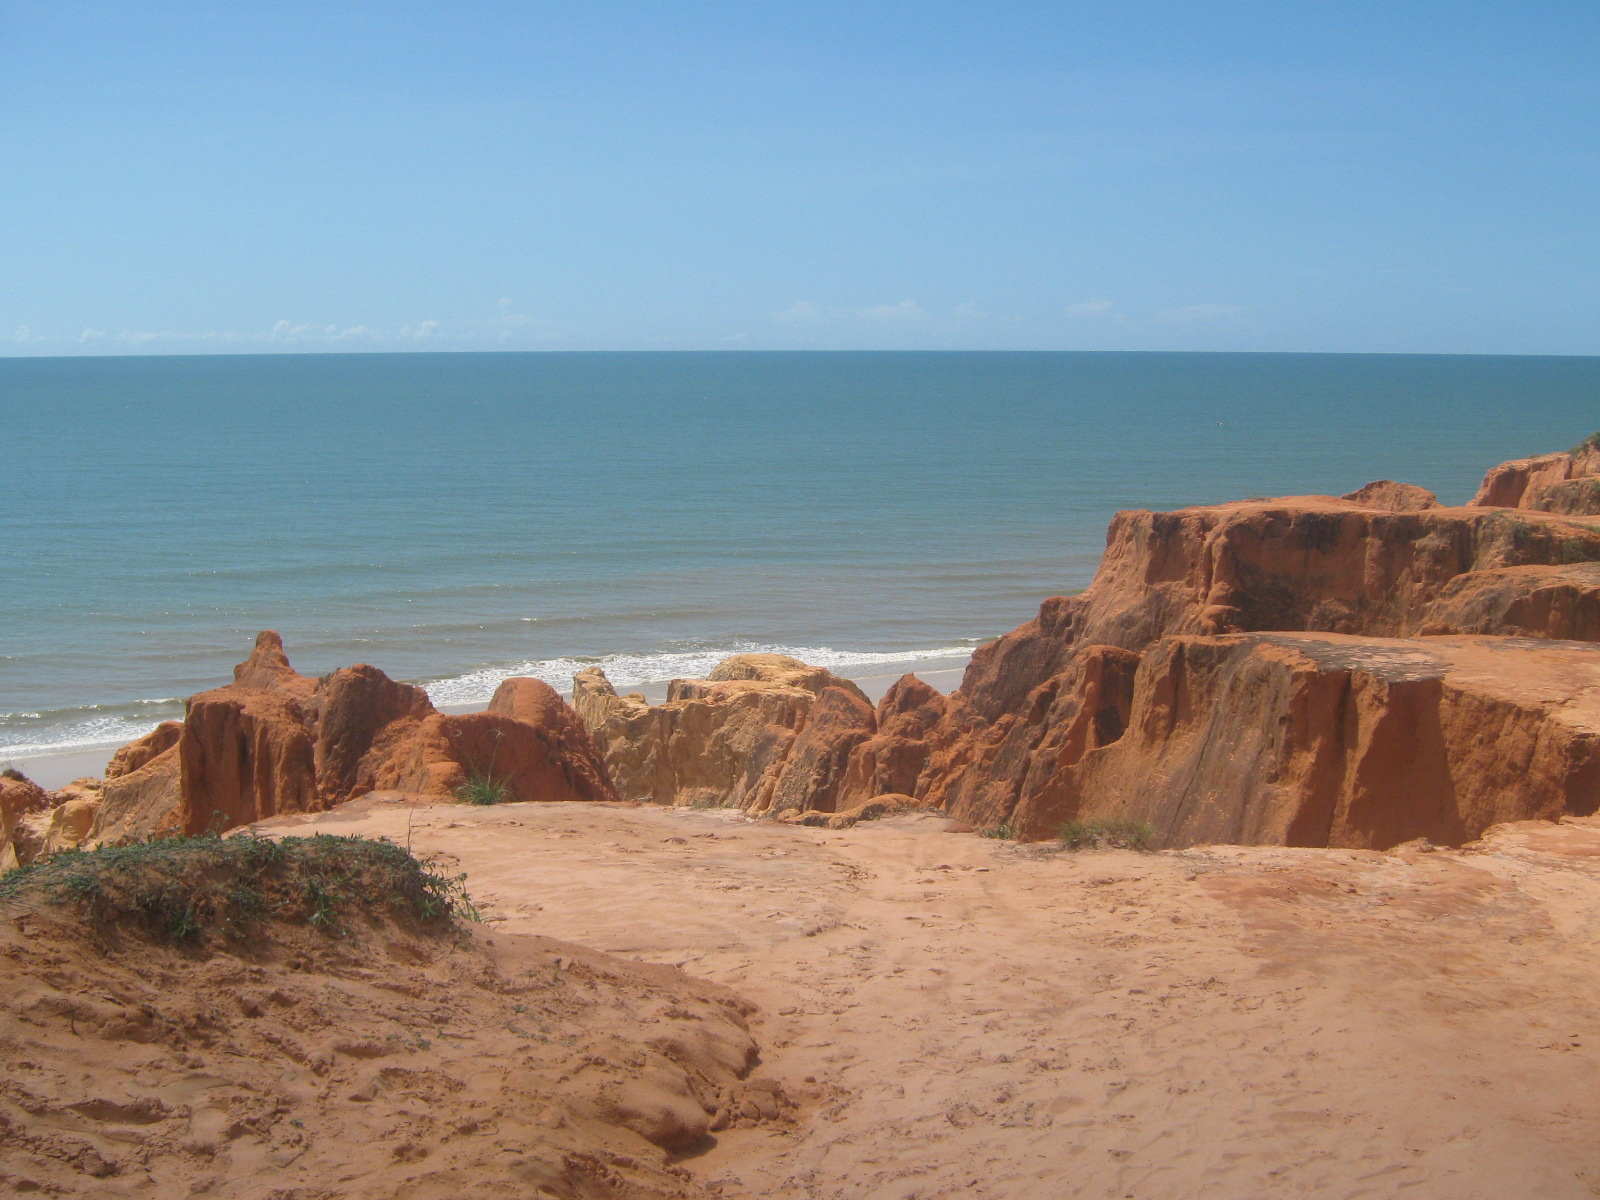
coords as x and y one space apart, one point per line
1551 482
726 739
1142 698
1296 739
275 741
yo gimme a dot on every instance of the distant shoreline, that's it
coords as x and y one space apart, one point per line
51 771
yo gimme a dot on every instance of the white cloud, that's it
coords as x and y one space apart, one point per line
801 310
1086 309
906 310
89 335
1199 314
420 332
970 312
353 333
288 331
25 334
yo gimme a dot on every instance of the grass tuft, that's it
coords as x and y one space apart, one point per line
191 891
1592 442
1004 833
1107 835
483 788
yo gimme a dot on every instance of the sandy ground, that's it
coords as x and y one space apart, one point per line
959 1016
51 771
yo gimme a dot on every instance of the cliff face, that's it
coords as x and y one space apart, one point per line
732 739
1294 739
1305 563
1140 699
276 742
1551 482
763 733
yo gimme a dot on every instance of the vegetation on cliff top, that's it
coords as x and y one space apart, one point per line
191 891
1592 442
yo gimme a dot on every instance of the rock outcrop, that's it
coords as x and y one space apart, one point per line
1297 739
247 750
735 738
141 751
1393 497
893 758
815 771
142 803
36 822
1550 482
1304 563
1231 673
275 742
20 797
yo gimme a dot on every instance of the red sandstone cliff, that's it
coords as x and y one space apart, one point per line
275 741
732 739
1137 699
1302 563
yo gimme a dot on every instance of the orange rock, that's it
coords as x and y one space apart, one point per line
721 741
1132 699
248 750
276 742
350 709
1297 739
782 671
534 763
1306 563
19 798
143 803
892 759
1516 483
874 809
814 771
141 750
1548 602
1393 497
1573 497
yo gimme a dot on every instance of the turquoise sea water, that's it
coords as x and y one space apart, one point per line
453 518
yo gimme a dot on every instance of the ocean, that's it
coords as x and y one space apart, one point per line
457 518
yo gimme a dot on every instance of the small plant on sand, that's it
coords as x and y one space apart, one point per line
1003 833
483 788
189 891
10 772
1107 835
482 785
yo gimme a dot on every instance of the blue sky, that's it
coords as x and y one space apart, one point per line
1295 175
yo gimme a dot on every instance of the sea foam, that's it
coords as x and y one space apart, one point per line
634 670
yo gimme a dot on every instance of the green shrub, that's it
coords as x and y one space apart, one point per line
187 891
1005 833
1592 442
483 788
1107 835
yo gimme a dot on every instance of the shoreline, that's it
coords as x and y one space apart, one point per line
57 769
